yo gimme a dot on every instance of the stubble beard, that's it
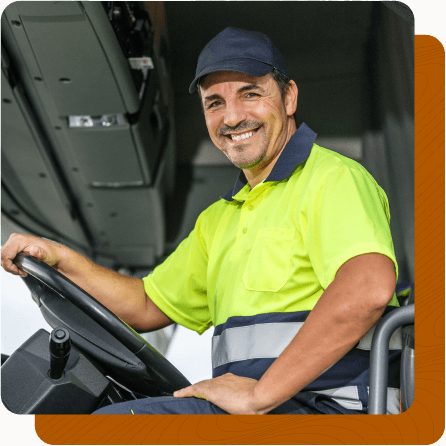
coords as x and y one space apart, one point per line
241 158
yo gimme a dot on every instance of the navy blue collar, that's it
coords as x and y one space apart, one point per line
296 151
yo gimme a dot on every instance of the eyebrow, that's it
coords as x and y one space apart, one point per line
254 86
211 98
250 87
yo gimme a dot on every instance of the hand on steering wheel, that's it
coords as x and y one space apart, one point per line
167 376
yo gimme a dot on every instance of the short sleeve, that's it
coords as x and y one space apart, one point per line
178 286
347 215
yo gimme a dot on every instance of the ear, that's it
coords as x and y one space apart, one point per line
291 98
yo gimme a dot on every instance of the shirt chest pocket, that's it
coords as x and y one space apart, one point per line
268 265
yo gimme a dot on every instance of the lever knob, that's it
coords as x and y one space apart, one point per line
60 347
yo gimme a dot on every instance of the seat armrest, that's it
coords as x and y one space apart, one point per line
379 355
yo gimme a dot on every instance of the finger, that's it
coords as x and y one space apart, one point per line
36 251
181 393
197 390
10 250
14 269
22 273
10 267
186 392
42 253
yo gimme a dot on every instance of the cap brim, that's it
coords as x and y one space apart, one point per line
246 66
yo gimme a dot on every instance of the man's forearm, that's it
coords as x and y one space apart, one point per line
317 346
123 295
343 315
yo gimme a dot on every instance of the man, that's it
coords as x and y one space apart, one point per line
303 236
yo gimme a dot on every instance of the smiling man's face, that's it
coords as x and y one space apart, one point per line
247 118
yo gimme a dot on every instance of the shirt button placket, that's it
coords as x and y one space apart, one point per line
246 216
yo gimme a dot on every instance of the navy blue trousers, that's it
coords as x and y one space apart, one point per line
302 403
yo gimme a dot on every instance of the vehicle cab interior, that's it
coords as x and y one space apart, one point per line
105 151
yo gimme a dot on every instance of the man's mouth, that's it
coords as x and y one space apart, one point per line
242 136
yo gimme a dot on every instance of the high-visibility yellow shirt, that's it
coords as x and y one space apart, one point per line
276 247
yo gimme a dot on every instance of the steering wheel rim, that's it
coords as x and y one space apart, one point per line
169 378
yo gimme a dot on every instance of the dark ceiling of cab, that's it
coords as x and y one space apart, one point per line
296 28
323 43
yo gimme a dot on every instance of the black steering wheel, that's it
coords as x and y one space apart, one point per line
161 371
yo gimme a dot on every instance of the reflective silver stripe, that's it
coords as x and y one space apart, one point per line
269 341
393 401
396 340
347 396
252 341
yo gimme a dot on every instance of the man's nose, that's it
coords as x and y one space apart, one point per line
234 113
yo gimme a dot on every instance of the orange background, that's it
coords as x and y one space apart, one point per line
423 423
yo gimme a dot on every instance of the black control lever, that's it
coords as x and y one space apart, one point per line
60 347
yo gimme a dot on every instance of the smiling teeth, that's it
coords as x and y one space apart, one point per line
244 136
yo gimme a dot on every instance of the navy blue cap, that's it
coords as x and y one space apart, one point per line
235 49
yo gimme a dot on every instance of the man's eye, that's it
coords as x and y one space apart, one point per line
214 104
251 95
